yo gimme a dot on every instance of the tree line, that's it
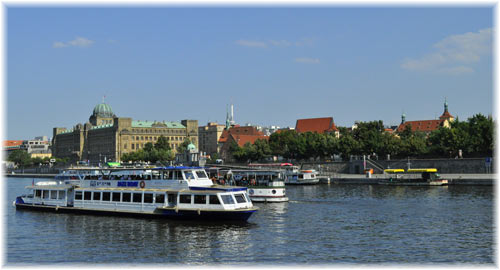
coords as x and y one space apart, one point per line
474 138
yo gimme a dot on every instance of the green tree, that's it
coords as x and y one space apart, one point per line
20 158
162 143
348 146
183 146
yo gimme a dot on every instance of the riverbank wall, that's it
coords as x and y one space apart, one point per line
448 166
453 179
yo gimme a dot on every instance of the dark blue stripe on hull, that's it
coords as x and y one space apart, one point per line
209 216
221 189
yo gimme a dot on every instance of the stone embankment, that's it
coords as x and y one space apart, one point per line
453 179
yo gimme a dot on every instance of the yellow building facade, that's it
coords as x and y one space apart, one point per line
106 137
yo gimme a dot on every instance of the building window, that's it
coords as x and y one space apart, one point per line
125 146
132 146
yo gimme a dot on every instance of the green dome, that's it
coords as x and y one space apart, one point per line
103 110
191 146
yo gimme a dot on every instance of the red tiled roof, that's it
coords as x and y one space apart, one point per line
421 125
446 115
10 143
246 130
241 140
319 125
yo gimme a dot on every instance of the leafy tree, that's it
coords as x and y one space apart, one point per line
162 143
183 146
148 147
20 158
348 146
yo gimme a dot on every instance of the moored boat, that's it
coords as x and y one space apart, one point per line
413 177
302 177
263 185
166 192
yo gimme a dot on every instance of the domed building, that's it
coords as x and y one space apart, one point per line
106 137
102 114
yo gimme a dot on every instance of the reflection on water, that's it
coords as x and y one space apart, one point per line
322 224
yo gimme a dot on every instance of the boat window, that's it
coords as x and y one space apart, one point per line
240 198
86 195
53 194
188 175
126 197
213 199
116 196
106 196
38 193
246 196
200 199
227 199
97 196
137 197
160 198
201 174
78 195
301 176
185 199
62 194
45 194
171 198
167 175
148 198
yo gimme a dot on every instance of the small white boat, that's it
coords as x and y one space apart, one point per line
302 177
166 192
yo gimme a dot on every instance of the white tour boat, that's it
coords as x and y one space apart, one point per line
292 174
263 185
166 192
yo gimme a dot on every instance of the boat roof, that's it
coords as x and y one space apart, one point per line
394 170
422 170
209 189
176 168
133 169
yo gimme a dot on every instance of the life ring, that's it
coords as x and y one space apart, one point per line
142 184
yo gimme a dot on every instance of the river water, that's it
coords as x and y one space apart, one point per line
321 225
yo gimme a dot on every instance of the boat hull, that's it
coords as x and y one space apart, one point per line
266 199
413 183
176 214
303 182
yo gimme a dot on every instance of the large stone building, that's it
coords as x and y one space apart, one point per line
106 137
209 136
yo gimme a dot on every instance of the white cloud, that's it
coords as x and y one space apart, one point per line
77 42
456 70
280 43
59 44
452 51
307 60
251 43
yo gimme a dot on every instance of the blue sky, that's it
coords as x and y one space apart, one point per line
276 65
